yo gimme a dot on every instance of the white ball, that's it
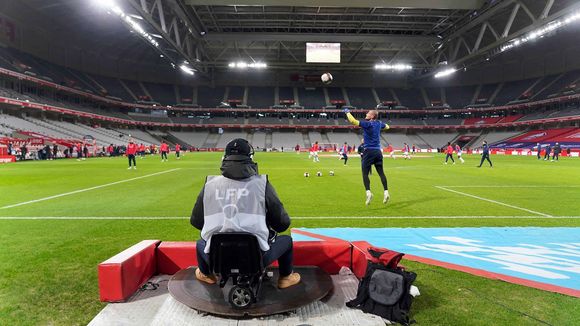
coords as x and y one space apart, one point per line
331 173
306 174
326 78
318 174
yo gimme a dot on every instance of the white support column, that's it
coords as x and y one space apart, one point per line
375 95
345 96
245 98
296 100
326 97
226 95
194 95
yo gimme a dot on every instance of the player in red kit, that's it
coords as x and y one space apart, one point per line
110 150
141 150
314 150
164 149
131 152
177 150
449 152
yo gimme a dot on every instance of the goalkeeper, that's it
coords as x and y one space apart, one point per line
372 154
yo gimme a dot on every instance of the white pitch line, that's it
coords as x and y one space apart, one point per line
515 186
493 201
292 218
87 189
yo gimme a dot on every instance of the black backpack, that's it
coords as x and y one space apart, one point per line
384 290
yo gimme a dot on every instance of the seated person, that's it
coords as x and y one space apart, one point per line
241 200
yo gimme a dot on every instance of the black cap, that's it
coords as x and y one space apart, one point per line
239 146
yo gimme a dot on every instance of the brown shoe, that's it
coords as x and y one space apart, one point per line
209 279
288 281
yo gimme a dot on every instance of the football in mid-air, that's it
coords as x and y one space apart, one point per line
318 174
331 173
326 78
306 174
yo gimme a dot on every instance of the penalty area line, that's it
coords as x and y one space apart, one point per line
494 202
294 218
88 189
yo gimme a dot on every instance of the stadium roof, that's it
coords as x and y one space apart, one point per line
209 34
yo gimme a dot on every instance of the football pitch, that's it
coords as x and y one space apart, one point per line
59 219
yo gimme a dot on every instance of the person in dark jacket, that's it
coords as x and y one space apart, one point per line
556 153
241 200
548 151
539 151
485 155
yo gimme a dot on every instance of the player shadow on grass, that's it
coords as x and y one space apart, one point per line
393 204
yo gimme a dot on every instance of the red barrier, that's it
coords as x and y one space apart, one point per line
7 158
121 275
175 256
330 256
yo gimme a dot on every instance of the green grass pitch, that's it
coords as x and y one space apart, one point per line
96 208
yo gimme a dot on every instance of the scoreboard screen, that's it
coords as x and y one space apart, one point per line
322 52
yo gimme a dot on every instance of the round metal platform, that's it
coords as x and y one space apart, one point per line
314 285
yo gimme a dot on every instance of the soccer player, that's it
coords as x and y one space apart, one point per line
556 154
414 149
177 150
539 151
345 153
297 149
548 151
131 151
449 153
406 151
141 151
314 151
485 155
110 150
372 155
458 151
164 149
391 151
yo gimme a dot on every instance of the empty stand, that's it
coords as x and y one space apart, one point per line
361 97
261 97
311 98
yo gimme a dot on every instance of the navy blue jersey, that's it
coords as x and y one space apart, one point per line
485 149
372 133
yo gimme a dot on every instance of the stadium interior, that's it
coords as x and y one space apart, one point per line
502 97
199 73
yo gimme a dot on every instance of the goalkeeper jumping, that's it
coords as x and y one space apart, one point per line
372 154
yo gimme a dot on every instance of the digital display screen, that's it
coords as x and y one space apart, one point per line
322 52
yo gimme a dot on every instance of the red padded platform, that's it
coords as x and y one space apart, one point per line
175 256
328 255
121 275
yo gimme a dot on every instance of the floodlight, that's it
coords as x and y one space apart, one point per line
445 72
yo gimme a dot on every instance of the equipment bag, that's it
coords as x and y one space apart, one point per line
384 290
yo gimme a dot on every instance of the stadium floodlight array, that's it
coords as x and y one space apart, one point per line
129 19
186 69
445 72
396 67
245 65
541 31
